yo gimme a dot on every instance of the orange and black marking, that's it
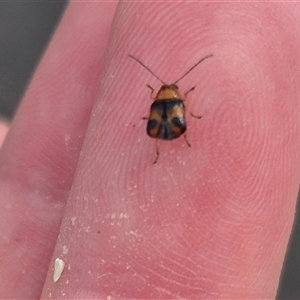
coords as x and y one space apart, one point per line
166 120
167 114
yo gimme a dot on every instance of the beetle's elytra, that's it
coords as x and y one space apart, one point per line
166 120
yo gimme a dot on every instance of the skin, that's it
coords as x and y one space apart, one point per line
4 127
76 174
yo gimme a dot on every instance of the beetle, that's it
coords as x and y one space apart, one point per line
166 120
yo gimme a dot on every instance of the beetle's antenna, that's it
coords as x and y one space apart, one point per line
200 61
146 68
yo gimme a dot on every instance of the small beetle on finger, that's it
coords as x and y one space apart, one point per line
166 120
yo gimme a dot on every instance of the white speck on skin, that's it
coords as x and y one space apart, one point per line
133 233
123 216
59 266
73 220
67 139
65 250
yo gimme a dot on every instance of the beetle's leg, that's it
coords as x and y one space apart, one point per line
191 89
152 91
194 116
150 87
187 140
157 153
145 118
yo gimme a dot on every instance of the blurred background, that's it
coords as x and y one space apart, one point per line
25 30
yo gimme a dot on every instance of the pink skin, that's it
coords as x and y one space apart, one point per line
211 221
3 131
